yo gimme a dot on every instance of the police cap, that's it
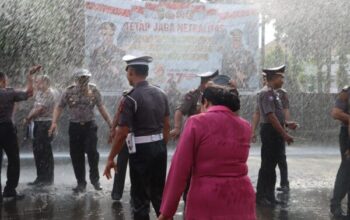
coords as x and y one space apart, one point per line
275 70
222 80
209 74
82 72
236 32
137 60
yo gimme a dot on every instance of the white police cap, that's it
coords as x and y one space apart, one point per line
209 74
275 70
137 60
82 72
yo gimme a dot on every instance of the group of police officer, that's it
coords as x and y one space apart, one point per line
140 131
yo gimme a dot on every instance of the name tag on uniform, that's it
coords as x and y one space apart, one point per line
130 142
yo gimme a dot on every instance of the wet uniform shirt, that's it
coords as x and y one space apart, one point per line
47 101
282 93
342 101
143 110
257 98
190 103
269 102
81 103
8 97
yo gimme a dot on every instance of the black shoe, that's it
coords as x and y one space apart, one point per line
337 212
13 194
265 202
116 196
34 183
279 202
97 186
284 189
44 183
79 189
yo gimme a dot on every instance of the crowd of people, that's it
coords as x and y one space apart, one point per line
209 167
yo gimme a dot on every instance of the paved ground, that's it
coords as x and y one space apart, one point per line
311 172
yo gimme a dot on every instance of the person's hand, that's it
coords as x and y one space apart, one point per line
253 138
111 136
34 69
162 217
52 129
110 165
292 125
289 139
25 121
175 133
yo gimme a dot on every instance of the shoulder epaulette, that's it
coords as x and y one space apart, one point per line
346 88
283 90
192 91
154 85
127 92
71 86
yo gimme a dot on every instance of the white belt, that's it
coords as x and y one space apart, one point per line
148 138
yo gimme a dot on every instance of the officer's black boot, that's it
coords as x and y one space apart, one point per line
0 194
284 189
97 186
11 193
35 182
337 211
79 188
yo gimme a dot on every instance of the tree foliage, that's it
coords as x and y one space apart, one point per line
313 31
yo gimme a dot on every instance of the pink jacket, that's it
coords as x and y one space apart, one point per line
213 149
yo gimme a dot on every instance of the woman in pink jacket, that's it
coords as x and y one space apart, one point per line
213 149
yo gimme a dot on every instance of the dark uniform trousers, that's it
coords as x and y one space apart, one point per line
342 181
147 172
271 152
119 177
42 151
283 167
83 139
8 143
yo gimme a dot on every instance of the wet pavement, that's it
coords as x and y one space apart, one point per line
312 172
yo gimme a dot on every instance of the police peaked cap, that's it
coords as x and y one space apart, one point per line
209 74
222 80
275 70
236 31
137 60
82 72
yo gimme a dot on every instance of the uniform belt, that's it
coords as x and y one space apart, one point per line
148 138
82 123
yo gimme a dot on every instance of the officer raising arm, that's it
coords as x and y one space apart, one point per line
8 138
